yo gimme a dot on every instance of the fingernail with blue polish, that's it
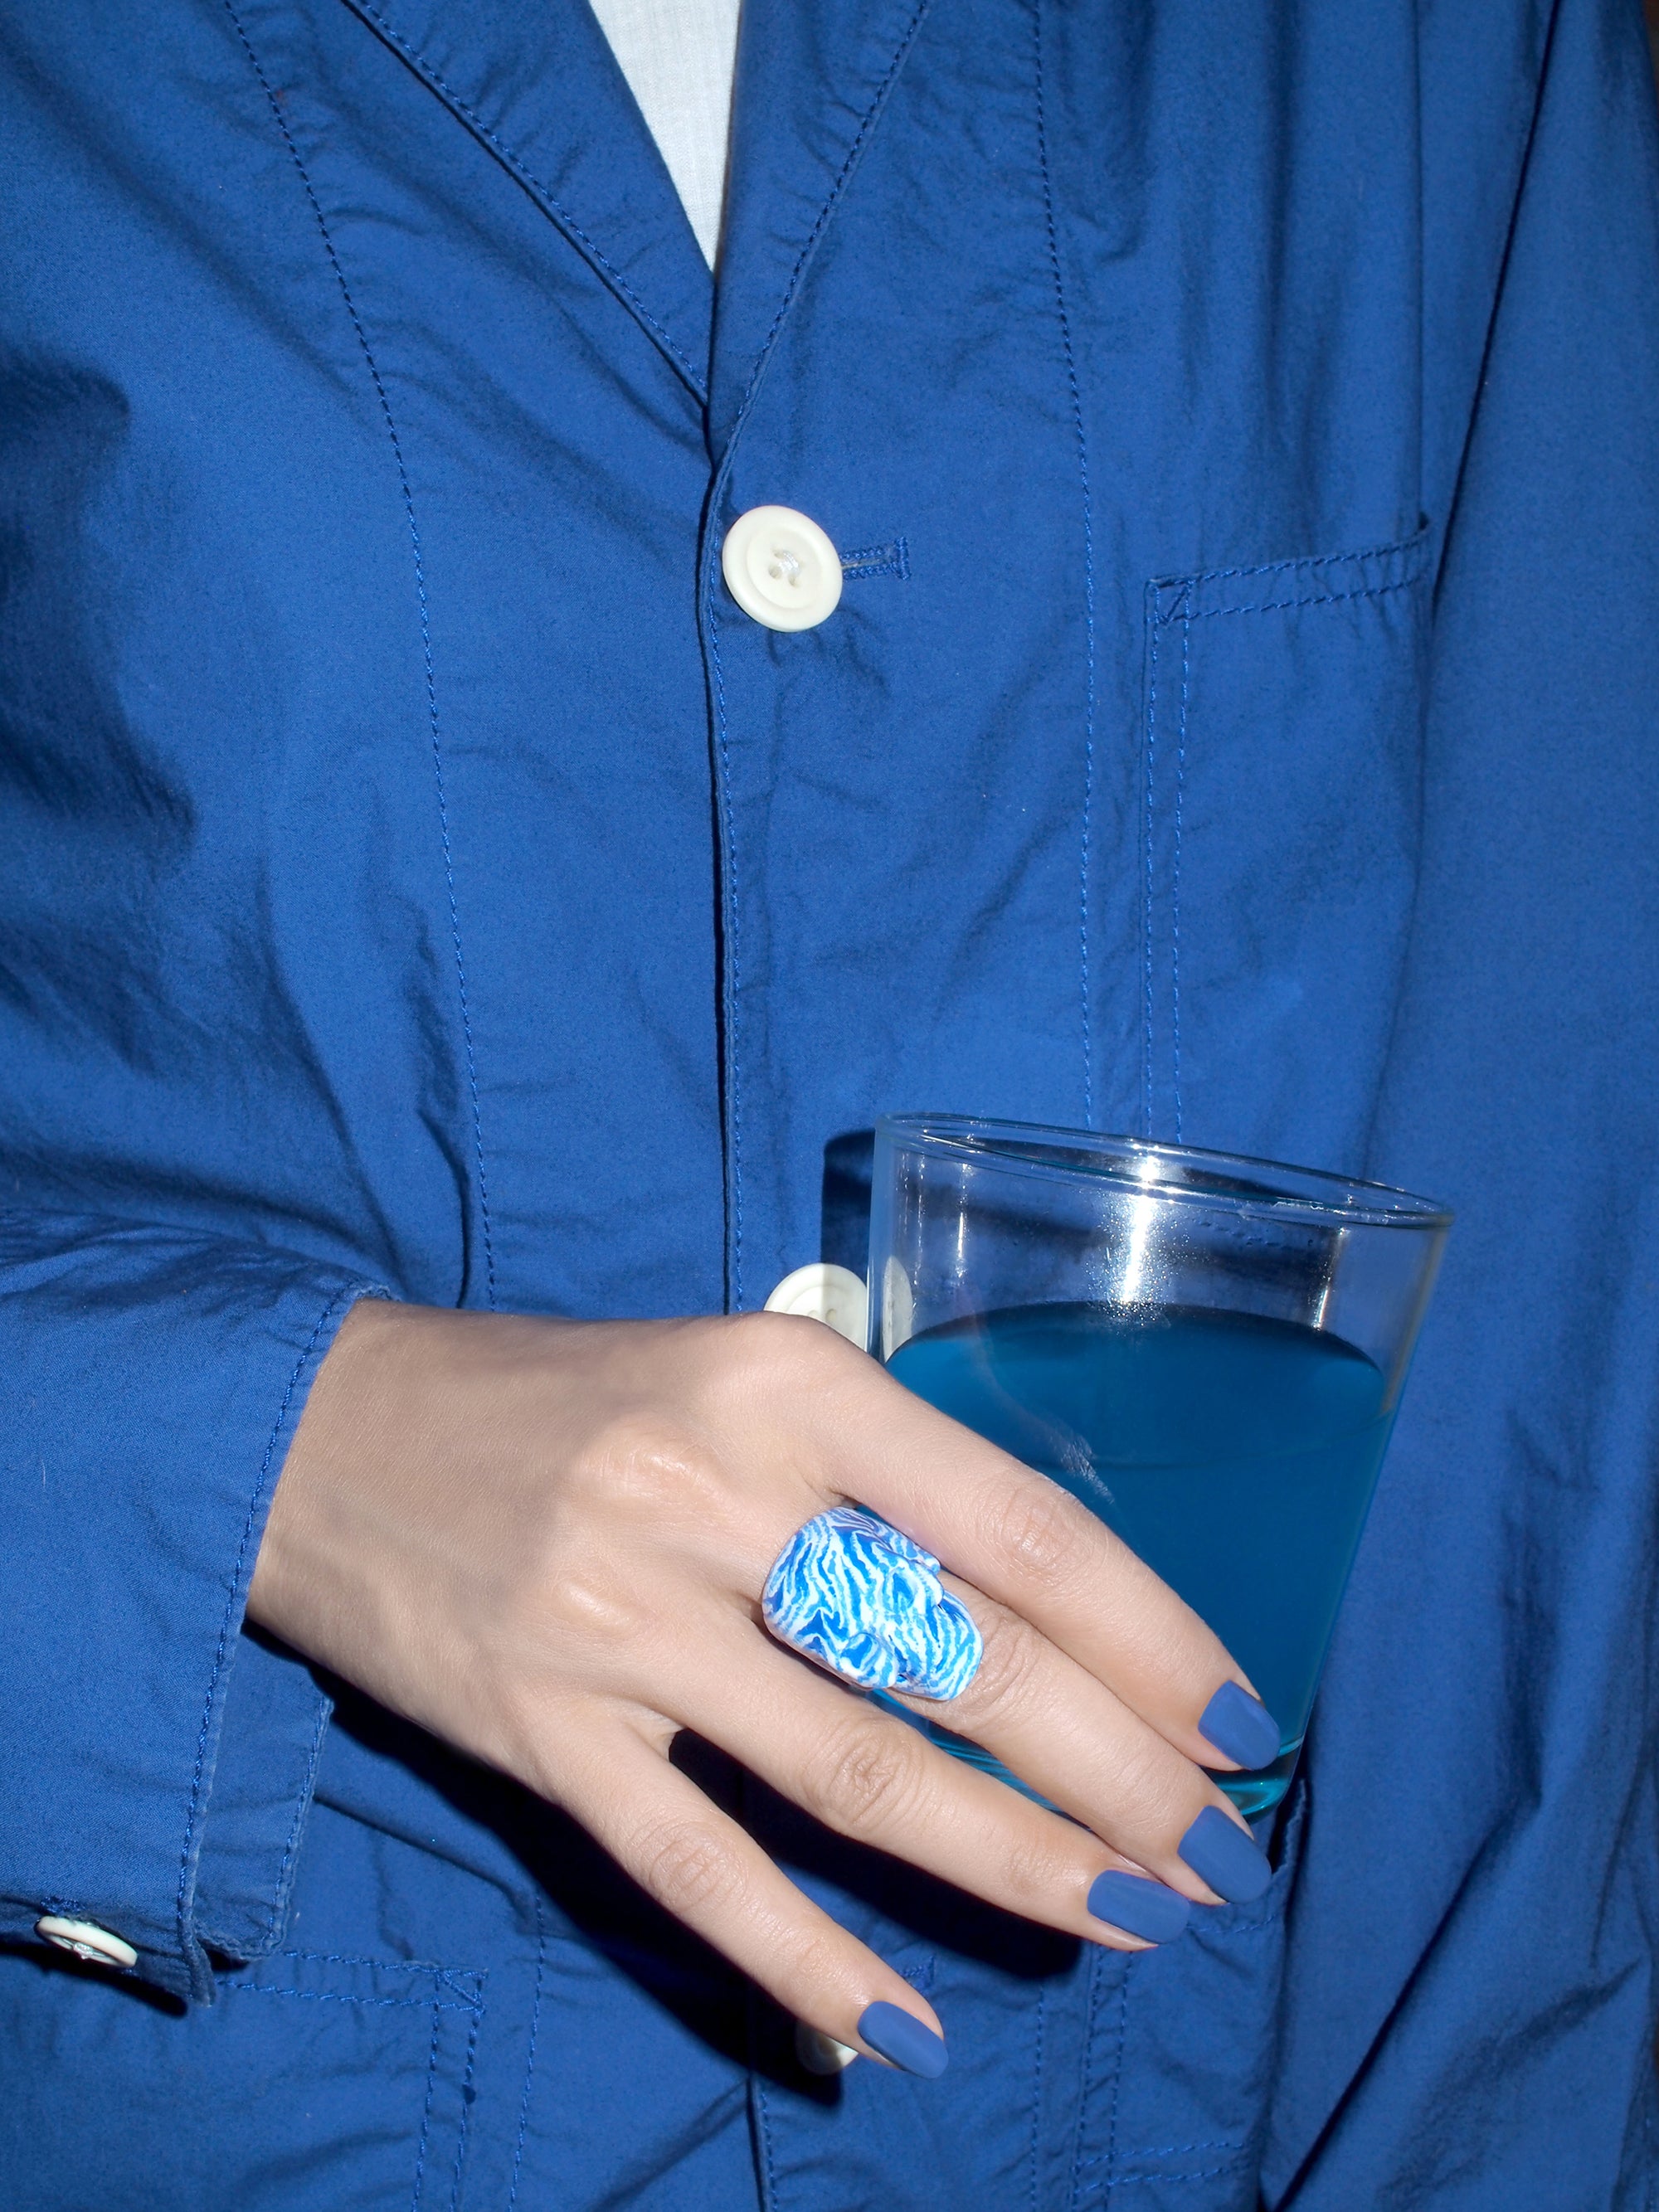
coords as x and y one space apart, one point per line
1221 1853
900 2036
1239 1726
1138 1906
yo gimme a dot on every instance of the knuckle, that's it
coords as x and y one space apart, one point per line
1034 1526
1152 1781
769 1350
1010 1661
654 1469
1037 1873
772 1376
687 1869
862 1777
588 1601
815 1956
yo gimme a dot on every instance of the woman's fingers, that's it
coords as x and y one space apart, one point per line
869 1775
1062 1731
701 1867
1028 1544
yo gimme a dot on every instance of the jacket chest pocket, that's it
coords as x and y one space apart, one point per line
1280 778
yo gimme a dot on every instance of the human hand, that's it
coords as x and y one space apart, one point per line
546 1541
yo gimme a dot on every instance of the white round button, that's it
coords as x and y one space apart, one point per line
825 1293
781 569
87 1940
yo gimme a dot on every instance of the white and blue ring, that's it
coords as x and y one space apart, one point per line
852 1593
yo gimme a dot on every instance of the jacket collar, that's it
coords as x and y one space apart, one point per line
539 89
536 84
813 77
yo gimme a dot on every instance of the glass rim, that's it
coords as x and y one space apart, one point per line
984 1141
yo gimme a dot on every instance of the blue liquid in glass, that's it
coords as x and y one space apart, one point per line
1235 1453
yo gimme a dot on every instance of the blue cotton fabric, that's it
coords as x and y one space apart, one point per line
1241 426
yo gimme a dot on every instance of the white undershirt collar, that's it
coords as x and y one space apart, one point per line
678 56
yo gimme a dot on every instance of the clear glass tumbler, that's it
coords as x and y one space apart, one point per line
1207 1351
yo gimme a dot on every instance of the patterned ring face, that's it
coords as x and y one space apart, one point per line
862 1600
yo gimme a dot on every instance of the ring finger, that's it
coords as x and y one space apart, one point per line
1063 1732
867 1775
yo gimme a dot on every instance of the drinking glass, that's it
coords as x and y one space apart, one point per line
1207 1351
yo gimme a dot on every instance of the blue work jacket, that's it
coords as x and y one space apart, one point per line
1239 427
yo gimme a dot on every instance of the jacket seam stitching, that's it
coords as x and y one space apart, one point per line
530 2060
193 1810
222 1939
463 2131
1117 2062
1237 2143
832 201
1277 606
1085 2071
1171 2151
1149 757
1076 394
1175 869
426 2108
426 637
767 2159
1417 537
1036 2097
307 1785
449 1977
734 967
1115 2181
520 169
351 1997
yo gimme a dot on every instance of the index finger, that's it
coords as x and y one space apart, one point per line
1025 1541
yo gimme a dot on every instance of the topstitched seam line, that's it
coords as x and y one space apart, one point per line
1175 869
1277 606
529 2061
1085 2068
520 169
1246 1928
192 1813
1036 2098
462 2131
728 860
1117 2069
448 1977
766 2158
1148 767
426 2109
349 1997
1106 2182
426 636
1308 561
824 213
298 1822
1170 2150
1075 390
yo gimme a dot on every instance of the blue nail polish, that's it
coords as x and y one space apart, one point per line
900 2037
1221 1853
1138 1906
1239 1726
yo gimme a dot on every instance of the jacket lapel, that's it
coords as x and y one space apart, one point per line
536 84
813 76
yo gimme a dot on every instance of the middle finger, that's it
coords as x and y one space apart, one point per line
868 1775
1069 1737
